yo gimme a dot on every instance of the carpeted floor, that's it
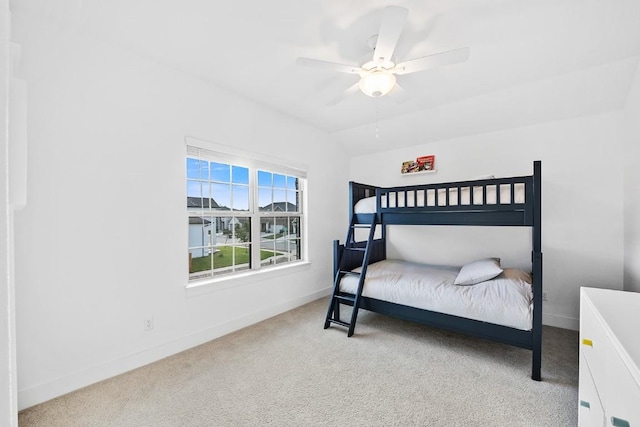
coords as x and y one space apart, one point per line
288 371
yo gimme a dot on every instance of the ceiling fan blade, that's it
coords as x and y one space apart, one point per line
393 19
316 63
398 94
432 61
353 89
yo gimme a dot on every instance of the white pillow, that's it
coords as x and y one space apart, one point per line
478 271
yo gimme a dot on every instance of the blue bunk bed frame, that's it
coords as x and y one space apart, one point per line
451 212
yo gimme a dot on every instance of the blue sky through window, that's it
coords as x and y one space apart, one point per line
220 172
217 180
279 181
240 175
292 182
197 169
265 179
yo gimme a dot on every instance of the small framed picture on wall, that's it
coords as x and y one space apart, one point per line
420 164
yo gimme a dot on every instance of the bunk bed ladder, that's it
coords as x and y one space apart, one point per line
337 297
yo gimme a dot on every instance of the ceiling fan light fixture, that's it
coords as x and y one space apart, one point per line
377 83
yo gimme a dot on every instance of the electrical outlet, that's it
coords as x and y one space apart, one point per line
544 296
148 323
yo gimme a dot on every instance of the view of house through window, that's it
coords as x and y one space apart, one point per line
241 217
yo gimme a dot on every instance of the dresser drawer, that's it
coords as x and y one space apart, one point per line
590 411
593 343
623 394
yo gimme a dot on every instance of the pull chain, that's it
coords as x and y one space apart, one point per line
377 119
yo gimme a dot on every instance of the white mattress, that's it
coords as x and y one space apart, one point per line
416 198
506 300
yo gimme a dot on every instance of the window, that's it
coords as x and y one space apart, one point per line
242 214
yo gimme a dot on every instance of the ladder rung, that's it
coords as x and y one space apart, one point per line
361 226
351 273
340 322
356 249
345 298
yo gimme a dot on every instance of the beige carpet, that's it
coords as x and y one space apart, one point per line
288 371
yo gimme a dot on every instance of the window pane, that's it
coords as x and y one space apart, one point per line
221 194
267 232
240 175
201 233
274 245
232 251
294 227
242 230
196 235
279 181
206 196
279 200
265 226
292 201
222 259
193 168
209 231
242 257
281 226
293 239
204 169
267 241
292 183
264 199
242 236
199 262
194 189
265 179
220 172
294 253
240 198
201 239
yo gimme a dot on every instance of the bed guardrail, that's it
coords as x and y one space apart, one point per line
358 192
495 194
508 200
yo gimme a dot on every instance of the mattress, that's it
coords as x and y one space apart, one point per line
416 198
505 300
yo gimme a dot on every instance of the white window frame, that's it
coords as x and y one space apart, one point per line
220 153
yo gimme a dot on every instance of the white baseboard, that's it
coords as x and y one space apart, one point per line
76 380
560 321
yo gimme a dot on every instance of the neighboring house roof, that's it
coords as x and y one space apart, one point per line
200 203
279 207
198 220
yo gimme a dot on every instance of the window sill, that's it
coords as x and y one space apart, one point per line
214 285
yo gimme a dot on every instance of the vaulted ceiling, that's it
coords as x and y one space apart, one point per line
530 61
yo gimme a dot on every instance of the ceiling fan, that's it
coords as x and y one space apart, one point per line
378 76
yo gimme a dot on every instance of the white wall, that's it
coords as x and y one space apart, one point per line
8 387
631 137
582 229
106 157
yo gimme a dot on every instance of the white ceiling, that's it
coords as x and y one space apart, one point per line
530 61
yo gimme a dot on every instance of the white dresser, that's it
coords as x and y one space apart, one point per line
609 393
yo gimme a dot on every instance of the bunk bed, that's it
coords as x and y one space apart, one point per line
510 201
